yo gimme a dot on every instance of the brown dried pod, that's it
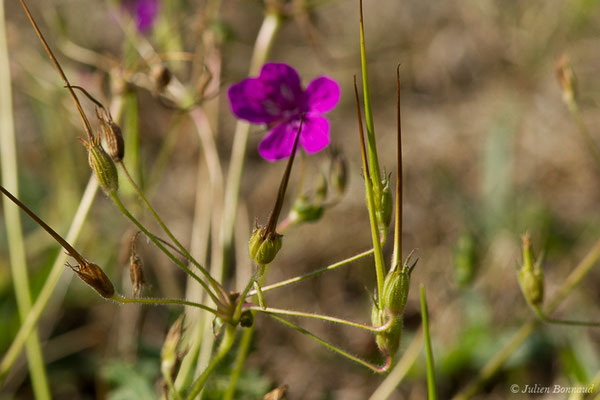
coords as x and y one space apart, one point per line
115 146
94 276
136 270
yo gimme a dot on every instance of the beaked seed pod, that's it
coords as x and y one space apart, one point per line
103 166
395 290
263 248
94 276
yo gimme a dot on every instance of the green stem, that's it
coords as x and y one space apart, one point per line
240 359
224 347
314 273
372 367
29 323
373 160
549 320
493 365
115 198
431 387
397 252
216 286
269 310
171 386
145 300
379 264
14 232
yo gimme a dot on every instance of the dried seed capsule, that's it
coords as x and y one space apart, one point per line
95 277
566 78
115 146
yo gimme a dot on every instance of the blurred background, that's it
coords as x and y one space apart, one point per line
490 151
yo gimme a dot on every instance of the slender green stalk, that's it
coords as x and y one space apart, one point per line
16 245
431 386
494 365
314 273
372 367
52 280
238 365
144 300
115 198
397 252
269 310
372 146
224 347
379 264
585 134
543 317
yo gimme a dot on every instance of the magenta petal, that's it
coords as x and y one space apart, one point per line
279 142
283 84
322 94
249 101
315 134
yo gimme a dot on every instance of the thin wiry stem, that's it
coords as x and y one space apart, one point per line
314 273
431 386
549 320
145 300
270 310
372 367
397 252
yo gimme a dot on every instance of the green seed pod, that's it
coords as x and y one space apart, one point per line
321 189
388 341
95 277
530 276
395 290
465 260
384 211
103 166
304 210
264 247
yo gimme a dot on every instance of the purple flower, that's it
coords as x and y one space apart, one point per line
276 98
143 12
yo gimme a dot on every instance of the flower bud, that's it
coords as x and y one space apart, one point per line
387 341
530 276
304 210
263 246
103 166
115 146
95 277
338 173
169 356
